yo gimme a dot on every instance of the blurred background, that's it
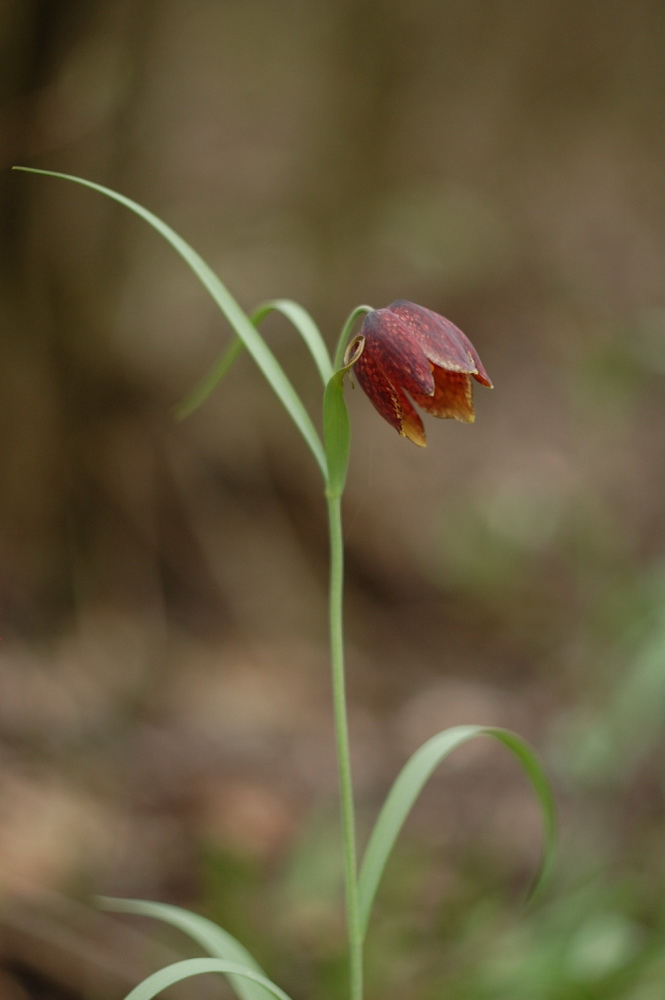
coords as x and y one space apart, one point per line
165 722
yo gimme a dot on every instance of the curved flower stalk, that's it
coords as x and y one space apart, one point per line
404 356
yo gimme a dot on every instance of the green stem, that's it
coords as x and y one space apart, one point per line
343 751
346 333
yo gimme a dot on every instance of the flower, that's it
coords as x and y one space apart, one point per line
410 349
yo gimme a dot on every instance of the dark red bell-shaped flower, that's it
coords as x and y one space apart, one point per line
412 354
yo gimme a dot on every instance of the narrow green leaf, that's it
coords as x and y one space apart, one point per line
305 326
236 317
336 424
300 319
175 973
213 939
410 782
210 380
336 434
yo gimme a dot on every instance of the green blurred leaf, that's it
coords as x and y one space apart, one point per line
300 319
236 317
175 973
336 424
305 326
410 782
213 939
210 380
336 434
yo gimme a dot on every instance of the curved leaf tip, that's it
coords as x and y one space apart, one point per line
409 784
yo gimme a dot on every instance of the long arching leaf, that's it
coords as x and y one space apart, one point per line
300 319
305 326
410 782
175 973
210 380
236 317
217 942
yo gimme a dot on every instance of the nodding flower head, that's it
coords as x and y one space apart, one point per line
412 354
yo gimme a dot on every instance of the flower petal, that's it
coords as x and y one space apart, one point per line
444 343
380 391
412 425
410 354
392 348
389 401
453 396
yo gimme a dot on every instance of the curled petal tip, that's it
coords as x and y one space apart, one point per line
353 350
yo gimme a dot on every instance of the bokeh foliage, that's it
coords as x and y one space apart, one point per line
164 709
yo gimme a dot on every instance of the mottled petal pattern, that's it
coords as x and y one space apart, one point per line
390 348
410 351
412 425
380 390
444 344
453 397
